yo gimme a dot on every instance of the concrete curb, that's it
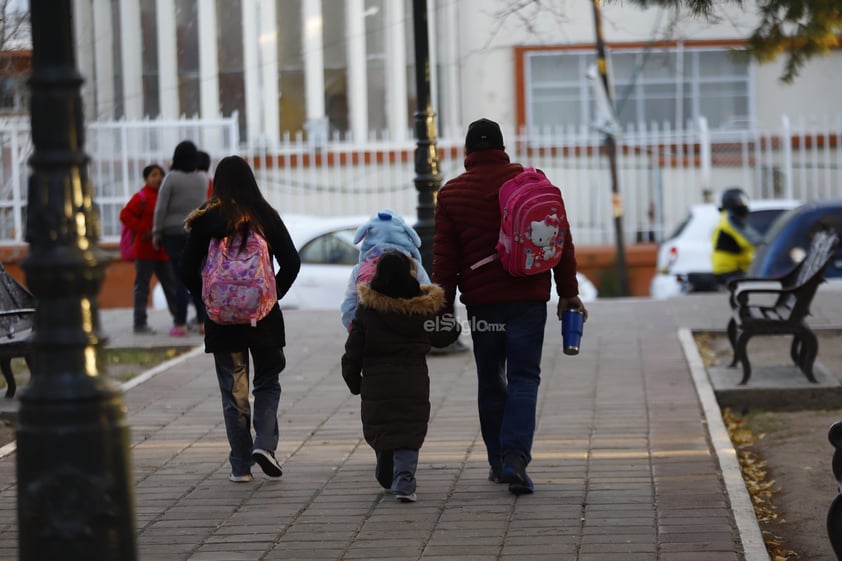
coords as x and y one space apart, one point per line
751 537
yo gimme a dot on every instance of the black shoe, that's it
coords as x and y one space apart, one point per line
494 474
514 473
384 472
267 462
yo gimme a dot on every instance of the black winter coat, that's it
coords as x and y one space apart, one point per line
208 223
388 343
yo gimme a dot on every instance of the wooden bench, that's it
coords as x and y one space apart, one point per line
785 310
17 317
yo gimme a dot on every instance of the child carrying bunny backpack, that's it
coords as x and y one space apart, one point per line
385 362
385 231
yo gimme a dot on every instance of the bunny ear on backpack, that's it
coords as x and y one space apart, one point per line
413 235
361 233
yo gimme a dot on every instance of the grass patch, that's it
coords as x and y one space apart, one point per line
756 476
120 364
764 422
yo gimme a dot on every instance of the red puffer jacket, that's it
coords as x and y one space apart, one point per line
467 226
137 216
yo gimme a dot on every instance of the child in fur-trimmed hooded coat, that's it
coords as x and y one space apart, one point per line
385 361
386 231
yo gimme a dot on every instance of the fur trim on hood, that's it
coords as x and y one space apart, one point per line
196 213
429 302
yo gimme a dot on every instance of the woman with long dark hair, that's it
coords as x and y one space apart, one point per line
238 209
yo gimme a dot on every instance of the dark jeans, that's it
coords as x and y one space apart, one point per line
175 248
508 339
405 463
232 372
144 269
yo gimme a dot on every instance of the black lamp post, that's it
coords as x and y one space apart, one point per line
75 489
427 177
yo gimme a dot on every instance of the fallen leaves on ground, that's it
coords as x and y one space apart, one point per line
759 486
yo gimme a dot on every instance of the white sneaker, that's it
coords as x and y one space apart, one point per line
267 462
410 498
240 478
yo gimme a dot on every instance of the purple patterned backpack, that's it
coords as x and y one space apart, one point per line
238 284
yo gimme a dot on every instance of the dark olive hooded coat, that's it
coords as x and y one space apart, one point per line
385 361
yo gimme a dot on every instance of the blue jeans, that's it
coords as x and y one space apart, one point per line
508 339
405 462
174 245
144 269
232 372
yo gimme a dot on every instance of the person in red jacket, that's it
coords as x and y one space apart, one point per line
137 216
507 314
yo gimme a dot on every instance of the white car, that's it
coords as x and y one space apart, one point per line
328 254
689 249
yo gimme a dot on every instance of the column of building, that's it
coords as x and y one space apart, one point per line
167 60
104 62
314 83
131 53
95 34
268 51
83 33
357 70
208 62
397 115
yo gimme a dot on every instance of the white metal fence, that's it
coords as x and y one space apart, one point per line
661 171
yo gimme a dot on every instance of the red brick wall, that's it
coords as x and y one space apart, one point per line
598 263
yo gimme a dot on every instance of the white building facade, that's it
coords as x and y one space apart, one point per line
319 95
344 69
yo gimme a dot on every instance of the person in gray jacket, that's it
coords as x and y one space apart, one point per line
183 190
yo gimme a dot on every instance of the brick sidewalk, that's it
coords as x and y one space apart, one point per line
622 463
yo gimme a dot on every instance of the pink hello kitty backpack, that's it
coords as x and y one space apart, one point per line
533 225
238 284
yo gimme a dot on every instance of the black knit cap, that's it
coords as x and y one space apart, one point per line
393 276
483 134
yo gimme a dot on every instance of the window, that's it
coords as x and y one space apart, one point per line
335 67
664 85
292 104
375 39
149 58
187 55
229 44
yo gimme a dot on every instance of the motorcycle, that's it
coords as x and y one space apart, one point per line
701 282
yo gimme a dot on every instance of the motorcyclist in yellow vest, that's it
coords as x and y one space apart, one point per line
733 239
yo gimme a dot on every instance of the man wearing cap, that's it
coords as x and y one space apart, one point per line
507 314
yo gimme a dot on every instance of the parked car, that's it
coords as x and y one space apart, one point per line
689 248
786 242
328 254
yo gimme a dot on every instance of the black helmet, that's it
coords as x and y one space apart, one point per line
735 200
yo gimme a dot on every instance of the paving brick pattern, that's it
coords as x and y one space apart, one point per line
622 461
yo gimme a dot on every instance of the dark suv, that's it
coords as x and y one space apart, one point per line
787 240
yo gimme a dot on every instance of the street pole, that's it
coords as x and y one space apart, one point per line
611 150
74 484
427 176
